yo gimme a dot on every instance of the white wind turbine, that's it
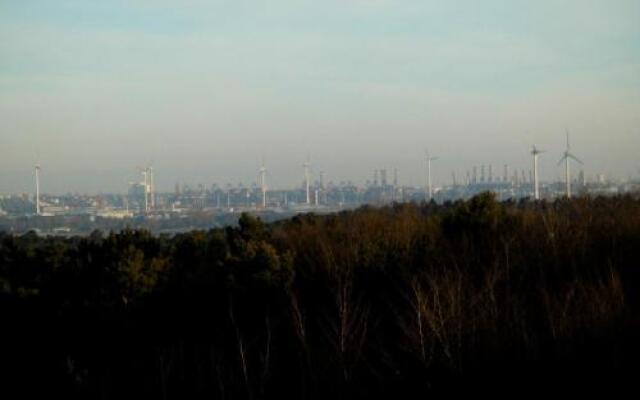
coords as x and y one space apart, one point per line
149 191
429 189
535 152
37 167
307 177
565 157
263 184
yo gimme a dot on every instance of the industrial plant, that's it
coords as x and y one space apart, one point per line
205 206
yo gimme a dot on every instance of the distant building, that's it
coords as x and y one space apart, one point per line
383 177
114 214
137 194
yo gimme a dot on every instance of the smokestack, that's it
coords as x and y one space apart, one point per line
490 173
482 174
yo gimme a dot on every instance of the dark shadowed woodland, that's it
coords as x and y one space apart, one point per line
378 302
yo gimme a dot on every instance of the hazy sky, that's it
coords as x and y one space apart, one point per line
203 89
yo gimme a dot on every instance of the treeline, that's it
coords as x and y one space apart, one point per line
378 302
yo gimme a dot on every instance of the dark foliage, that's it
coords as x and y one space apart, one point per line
378 302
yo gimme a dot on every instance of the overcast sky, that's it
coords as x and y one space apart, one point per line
205 89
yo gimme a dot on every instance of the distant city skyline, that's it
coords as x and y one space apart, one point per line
204 89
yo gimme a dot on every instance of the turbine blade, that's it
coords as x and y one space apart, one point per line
562 159
574 158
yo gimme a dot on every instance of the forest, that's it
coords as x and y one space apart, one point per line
435 299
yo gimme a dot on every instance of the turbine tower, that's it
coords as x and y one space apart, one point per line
307 178
37 167
429 190
152 187
149 196
263 184
565 157
145 175
535 152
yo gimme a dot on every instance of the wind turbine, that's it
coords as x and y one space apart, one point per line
37 167
263 183
149 187
565 157
535 152
307 177
152 187
429 159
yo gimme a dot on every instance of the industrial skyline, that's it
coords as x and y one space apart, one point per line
412 171
308 176
206 206
209 204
